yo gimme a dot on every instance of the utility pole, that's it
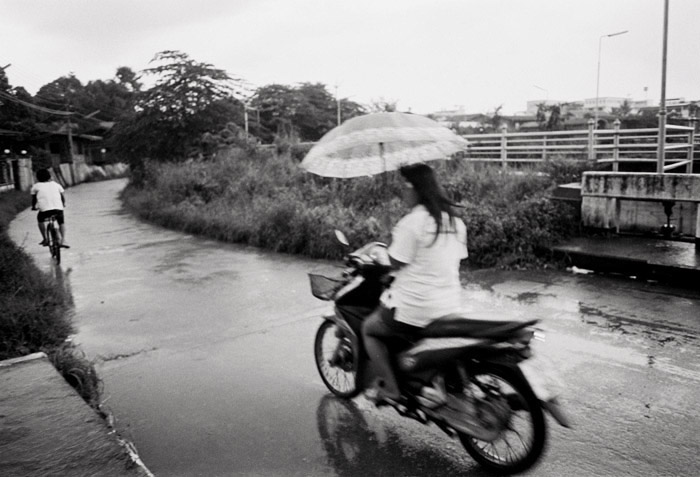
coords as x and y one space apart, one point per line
337 103
661 156
70 141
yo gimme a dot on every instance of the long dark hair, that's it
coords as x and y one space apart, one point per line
430 194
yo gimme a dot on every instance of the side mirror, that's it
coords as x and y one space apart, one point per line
342 238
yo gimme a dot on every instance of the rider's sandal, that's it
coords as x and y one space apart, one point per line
376 396
433 396
63 245
44 243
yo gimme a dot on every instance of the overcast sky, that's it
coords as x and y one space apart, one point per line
425 54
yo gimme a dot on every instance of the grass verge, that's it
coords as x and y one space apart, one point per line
266 200
36 310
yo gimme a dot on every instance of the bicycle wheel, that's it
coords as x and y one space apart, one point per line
54 243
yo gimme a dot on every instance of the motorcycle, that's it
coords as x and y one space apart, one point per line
484 392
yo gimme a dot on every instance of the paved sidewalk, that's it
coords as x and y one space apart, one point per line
46 429
644 257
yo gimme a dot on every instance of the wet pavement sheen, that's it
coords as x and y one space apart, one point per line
205 350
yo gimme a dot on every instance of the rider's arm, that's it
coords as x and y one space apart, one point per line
33 201
63 199
395 264
403 243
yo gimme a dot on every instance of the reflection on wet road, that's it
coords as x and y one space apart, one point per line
205 350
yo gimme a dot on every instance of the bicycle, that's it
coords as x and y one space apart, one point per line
53 236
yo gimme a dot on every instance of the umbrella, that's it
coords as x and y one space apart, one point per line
380 142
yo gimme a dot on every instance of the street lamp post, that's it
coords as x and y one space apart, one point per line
661 155
337 104
546 92
597 85
246 107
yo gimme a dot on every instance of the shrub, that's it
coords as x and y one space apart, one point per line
563 171
266 200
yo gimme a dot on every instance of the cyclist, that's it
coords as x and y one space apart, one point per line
48 197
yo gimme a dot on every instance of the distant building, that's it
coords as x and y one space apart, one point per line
573 114
676 108
639 104
520 122
605 104
458 118
534 104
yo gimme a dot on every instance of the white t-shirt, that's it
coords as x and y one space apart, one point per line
48 195
428 286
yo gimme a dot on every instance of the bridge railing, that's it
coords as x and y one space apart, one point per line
610 146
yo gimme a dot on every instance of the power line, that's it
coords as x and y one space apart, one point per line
9 97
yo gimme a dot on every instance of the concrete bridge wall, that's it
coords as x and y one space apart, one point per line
637 216
635 201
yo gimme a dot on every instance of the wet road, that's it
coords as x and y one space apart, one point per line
205 350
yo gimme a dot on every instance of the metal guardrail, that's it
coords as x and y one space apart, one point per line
609 146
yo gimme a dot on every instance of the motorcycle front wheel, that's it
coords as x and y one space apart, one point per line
507 401
337 360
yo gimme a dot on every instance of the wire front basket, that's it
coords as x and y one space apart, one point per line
323 287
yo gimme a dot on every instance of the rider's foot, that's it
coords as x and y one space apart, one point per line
44 243
435 395
65 245
432 397
379 396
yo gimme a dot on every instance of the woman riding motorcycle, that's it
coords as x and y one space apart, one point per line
426 248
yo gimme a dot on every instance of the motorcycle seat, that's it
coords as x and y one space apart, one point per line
452 326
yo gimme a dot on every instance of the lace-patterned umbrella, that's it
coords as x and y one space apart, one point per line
380 142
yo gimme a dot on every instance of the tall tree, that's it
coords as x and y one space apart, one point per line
624 110
15 114
317 111
383 105
128 78
492 122
188 99
277 104
65 93
554 120
306 111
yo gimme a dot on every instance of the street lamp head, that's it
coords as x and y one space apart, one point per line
597 87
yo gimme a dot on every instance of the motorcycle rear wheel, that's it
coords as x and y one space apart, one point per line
337 360
522 441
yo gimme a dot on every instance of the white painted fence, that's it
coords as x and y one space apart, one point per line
614 146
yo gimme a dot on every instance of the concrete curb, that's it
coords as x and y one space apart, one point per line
22 359
46 428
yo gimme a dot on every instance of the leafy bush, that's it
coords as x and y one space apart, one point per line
266 200
300 150
563 171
